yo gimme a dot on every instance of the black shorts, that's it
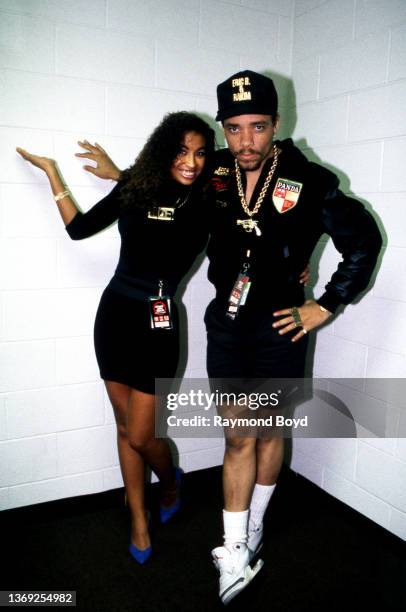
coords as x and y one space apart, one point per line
249 347
127 350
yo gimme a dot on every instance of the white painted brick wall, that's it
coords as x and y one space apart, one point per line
157 20
36 270
393 178
20 34
75 361
55 488
302 6
88 263
397 57
397 523
316 29
323 123
91 12
50 102
123 99
73 58
392 213
27 365
23 214
28 460
105 70
3 418
79 450
304 464
339 72
384 364
356 497
30 315
255 29
349 74
382 475
306 79
45 411
376 15
377 113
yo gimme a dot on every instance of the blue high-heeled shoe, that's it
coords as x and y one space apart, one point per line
167 513
140 555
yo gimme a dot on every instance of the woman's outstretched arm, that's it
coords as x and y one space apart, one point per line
78 225
66 205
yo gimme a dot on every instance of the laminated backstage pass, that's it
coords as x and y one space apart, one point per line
238 295
160 310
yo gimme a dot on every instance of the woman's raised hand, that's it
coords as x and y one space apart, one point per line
66 204
43 163
105 167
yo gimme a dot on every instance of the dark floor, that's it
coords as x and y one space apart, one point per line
319 554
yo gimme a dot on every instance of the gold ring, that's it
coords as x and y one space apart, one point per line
296 316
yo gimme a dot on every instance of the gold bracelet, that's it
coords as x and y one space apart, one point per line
324 309
61 194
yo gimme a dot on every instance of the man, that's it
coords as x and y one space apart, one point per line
270 208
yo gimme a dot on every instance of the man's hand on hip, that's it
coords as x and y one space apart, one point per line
306 317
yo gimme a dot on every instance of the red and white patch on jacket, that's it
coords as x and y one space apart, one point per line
286 194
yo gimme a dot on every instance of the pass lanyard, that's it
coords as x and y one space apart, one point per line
241 287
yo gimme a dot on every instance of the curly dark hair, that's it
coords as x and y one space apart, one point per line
151 169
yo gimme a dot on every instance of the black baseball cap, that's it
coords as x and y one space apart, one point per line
246 93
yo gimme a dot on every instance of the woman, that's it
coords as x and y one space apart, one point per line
159 205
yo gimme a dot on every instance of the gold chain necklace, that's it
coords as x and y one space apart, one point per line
248 212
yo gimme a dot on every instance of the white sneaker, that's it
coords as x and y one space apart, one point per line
235 571
255 536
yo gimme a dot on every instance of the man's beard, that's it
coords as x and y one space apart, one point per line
251 165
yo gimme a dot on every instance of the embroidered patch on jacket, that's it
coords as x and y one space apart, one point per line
219 184
286 194
221 171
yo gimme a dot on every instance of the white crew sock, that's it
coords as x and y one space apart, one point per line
235 527
261 496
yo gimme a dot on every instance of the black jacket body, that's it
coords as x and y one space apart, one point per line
288 238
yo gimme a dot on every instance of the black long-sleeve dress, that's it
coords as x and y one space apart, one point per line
128 351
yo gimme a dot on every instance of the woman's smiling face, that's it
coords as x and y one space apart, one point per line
189 162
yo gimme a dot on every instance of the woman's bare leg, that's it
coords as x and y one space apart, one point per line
132 465
155 451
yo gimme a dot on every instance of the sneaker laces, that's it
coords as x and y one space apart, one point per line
230 561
